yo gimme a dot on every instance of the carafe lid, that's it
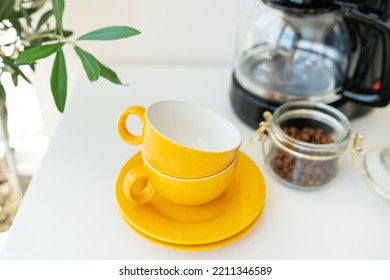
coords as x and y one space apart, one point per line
302 6
377 171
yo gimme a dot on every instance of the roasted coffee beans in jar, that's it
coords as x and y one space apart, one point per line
307 141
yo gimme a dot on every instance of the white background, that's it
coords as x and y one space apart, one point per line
281 270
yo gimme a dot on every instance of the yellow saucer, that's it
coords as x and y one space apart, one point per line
207 246
218 220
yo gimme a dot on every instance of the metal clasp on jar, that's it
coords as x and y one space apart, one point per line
357 152
261 134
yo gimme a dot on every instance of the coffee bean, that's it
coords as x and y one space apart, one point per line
305 137
299 171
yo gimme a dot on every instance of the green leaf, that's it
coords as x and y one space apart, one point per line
110 75
90 64
3 96
67 33
58 9
14 76
110 33
8 61
58 81
44 18
20 73
6 8
33 54
22 13
16 24
26 16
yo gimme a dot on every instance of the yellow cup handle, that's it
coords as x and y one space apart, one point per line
122 129
137 185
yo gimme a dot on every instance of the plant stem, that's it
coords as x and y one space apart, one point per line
35 36
59 38
9 154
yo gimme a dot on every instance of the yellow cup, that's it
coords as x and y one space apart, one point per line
182 139
143 182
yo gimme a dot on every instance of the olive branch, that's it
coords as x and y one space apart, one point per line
35 42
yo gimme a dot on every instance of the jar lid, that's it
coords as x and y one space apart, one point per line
377 171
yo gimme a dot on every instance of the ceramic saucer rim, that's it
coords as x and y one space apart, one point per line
198 247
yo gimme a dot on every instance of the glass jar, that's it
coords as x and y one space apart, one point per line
307 139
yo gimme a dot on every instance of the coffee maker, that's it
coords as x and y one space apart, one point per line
335 52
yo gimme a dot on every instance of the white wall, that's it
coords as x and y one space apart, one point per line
173 31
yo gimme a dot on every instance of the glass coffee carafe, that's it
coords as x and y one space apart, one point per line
308 50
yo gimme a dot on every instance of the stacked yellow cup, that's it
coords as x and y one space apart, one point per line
189 153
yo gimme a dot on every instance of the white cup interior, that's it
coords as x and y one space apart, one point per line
193 126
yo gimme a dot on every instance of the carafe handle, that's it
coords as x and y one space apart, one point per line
358 93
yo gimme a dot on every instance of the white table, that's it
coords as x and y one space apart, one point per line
70 212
